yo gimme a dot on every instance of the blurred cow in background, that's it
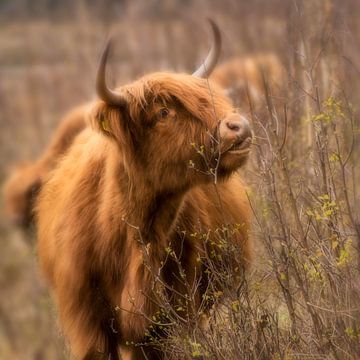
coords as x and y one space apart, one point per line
244 77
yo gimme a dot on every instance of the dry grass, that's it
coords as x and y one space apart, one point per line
300 300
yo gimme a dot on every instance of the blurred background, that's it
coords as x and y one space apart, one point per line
306 180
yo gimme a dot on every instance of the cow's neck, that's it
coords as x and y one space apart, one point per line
151 213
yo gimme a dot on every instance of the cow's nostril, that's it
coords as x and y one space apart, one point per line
234 126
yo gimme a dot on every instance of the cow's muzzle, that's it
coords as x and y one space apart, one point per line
235 134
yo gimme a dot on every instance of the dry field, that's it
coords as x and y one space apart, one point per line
301 299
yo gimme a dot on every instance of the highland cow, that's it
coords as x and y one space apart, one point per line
237 76
22 187
158 162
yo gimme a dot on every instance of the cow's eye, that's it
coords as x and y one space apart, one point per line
164 112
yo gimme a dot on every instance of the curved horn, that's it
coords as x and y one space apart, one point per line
208 65
109 96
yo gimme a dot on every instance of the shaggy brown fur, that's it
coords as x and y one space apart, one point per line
243 75
121 196
23 185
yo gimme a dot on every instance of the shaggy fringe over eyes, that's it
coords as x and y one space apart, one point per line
200 97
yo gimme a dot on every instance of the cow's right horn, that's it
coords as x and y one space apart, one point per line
109 96
209 64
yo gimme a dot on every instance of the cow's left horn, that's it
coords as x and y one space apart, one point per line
109 96
208 65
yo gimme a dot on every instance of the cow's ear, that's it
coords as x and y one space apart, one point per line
113 122
102 119
104 123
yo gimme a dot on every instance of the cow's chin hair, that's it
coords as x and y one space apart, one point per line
230 163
